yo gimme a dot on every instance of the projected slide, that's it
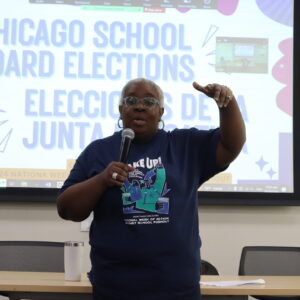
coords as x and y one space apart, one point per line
63 64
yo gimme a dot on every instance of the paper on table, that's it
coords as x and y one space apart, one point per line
233 282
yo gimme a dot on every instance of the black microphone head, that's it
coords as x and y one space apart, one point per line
128 133
127 137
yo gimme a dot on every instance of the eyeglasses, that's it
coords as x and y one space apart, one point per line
147 101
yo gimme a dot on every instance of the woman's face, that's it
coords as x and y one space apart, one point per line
143 120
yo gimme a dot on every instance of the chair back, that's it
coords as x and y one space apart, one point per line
32 256
208 269
270 260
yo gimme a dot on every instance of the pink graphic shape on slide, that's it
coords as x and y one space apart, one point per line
283 72
227 7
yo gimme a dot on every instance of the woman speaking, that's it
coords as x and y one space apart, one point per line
144 237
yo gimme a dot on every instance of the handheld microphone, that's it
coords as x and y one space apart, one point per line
127 137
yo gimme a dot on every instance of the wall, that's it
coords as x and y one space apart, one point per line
224 230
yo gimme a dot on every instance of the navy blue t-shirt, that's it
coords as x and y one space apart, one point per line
144 236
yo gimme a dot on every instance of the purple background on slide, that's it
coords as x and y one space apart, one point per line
285 170
280 11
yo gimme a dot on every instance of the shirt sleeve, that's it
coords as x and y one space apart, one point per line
79 171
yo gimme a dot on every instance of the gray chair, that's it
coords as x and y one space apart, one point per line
30 256
208 269
270 260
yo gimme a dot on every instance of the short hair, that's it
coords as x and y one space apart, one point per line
147 81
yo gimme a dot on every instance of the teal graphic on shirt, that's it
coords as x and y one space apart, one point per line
145 192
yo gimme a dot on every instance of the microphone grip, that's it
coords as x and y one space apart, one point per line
125 150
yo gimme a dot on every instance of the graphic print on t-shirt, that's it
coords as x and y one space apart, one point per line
144 194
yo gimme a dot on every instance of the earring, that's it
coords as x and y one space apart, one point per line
120 125
162 124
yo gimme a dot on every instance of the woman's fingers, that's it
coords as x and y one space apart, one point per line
220 93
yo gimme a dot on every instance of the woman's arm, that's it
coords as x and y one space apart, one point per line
233 134
78 200
232 127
